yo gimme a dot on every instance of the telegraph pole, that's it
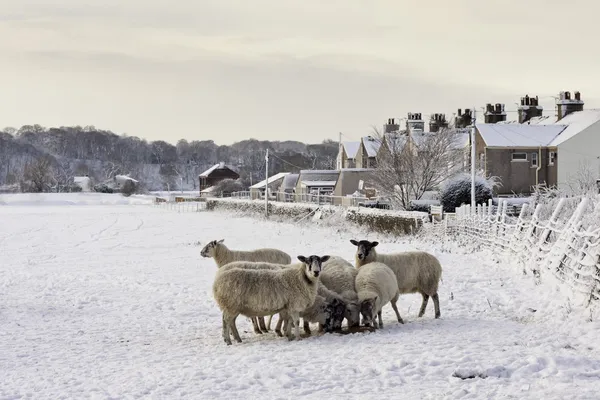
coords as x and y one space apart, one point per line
340 161
473 161
267 184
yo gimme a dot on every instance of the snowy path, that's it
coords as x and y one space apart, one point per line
115 302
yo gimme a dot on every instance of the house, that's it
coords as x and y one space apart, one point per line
315 182
347 157
348 182
288 187
216 173
366 156
273 183
521 155
536 149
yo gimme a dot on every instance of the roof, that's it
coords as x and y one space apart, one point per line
576 122
371 145
351 148
327 175
289 182
396 141
270 180
125 178
220 165
518 135
208 189
319 183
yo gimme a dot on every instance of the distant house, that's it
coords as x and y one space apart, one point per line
366 156
257 190
216 173
347 157
317 182
348 182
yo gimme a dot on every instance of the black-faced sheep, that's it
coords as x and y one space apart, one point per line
376 286
416 271
258 293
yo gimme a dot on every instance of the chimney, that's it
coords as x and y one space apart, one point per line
391 126
567 105
529 108
463 120
494 113
414 123
437 121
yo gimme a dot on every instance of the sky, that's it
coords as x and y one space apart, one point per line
305 70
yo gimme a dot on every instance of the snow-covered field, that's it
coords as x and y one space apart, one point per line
114 301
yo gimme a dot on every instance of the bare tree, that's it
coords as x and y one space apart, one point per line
583 181
39 173
408 165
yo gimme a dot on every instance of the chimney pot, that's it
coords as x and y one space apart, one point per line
577 95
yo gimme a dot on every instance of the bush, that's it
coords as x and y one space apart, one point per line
128 188
457 191
228 186
103 188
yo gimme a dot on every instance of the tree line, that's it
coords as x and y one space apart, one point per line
36 158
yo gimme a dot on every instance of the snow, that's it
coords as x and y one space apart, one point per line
518 135
271 179
72 199
576 122
220 165
351 149
371 145
116 302
123 178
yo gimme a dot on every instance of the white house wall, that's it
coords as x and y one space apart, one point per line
580 150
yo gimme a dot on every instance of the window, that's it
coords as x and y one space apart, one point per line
519 156
534 160
552 158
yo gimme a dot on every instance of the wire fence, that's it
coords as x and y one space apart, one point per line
184 206
321 199
560 246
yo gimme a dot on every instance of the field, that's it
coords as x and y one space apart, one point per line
113 301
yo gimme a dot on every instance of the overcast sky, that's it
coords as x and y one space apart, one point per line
303 70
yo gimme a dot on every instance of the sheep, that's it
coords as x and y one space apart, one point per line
376 286
416 271
328 313
223 255
337 280
257 293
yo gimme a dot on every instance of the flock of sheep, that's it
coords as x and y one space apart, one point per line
319 289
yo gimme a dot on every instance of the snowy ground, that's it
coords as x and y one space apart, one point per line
114 301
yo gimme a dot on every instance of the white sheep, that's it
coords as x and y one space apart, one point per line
223 255
327 312
258 293
376 286
416 271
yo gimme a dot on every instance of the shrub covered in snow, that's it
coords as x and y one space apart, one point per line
457 191
128 188
228 186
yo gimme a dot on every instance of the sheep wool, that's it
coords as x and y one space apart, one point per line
416 271
376 286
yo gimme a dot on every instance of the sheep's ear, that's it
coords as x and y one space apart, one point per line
324 259
302 258
354 242
374 244
221 241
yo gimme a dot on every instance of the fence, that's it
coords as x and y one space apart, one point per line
559 246
184 206
321 199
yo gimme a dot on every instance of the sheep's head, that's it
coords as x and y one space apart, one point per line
313 265
367 310
364 248
334 315
209 249
352 313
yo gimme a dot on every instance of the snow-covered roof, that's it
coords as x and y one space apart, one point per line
351 148
208 189
576 122
319 183
371 145
271 179
81 179
220 165
518 135
289 182
125 178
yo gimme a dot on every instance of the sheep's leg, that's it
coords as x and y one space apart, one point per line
423 304
436 305
380 320
395 307
321 327
236 334
280 322
255 325
269 321
306 327
295 319
226 336
261 324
